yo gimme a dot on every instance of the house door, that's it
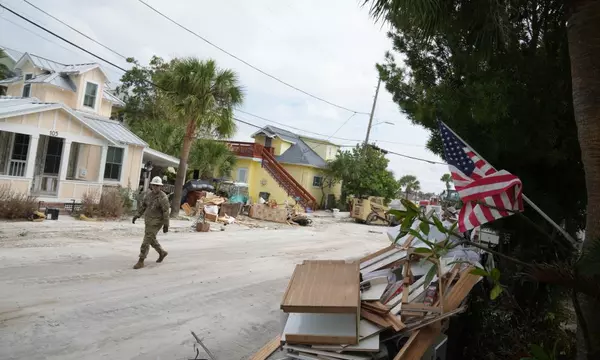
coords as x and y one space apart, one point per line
47 165
268 142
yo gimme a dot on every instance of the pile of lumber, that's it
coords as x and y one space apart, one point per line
341 310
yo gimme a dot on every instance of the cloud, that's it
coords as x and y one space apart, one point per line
326 48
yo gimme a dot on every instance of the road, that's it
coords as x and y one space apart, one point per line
67 290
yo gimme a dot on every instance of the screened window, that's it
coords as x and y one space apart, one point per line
91 91
27 87
53 155
114 163
317 181
73 158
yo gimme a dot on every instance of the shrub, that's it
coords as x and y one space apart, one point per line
16 205
112 203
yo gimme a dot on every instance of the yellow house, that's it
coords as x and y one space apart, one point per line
285 166
56 139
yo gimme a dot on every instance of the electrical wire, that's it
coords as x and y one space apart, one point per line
249 64
74 29
239 120
338 129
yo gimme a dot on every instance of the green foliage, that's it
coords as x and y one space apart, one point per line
446 179
410 185
363 172
498 73
4 71
211 158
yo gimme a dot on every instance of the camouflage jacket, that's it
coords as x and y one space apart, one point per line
155 208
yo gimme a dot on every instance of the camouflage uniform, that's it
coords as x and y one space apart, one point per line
155 208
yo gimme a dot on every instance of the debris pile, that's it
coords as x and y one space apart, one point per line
392 304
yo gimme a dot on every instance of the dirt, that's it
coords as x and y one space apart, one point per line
68 290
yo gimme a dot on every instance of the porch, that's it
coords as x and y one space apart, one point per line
248 149
54 168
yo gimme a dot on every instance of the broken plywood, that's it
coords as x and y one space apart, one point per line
323 287
304 328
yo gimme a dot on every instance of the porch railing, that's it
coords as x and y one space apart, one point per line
248 149
17 167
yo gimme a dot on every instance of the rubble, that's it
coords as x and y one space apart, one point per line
398 297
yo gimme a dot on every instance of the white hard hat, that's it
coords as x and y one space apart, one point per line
156 181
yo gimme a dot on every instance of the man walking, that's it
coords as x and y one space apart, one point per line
155 208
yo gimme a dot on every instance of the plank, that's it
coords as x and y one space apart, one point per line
304 328
388 260
369 344
326 353
377 319
396 323
376 253
324 287
364 264
408 343
267 349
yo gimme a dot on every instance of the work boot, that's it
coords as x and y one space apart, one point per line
139 264
162 256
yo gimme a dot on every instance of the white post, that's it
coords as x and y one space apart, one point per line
64 160
31 154
102 163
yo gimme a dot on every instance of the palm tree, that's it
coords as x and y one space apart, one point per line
410 184
582 26
212 158
203 98
447 179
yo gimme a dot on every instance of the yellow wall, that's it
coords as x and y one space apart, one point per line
89 158
105 108
76 189
55 94
132 166
260 180
16 184
279 146
325 150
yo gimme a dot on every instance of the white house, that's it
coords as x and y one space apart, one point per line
56 139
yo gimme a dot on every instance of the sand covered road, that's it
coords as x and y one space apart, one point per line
67 290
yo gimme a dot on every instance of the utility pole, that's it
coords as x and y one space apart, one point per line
372 112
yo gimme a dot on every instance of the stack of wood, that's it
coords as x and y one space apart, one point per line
332 314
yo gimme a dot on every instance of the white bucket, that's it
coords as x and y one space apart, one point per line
336 212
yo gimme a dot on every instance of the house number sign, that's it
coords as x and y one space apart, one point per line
53 133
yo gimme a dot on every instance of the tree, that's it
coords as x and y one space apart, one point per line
447 179
202 98
212 158
512 70
363 172
410 184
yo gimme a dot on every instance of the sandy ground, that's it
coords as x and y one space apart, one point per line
67 290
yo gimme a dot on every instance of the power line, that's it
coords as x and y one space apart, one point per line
62 38
248 64
239 120
338 129
77 31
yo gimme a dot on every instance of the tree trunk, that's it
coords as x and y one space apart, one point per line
583 29
181 170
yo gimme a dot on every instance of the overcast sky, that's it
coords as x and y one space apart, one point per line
327 48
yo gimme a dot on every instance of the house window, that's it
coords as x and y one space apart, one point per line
91 91
27 87
73 159
114 162
242 175
13 153
317 181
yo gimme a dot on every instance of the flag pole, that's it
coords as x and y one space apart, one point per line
527 200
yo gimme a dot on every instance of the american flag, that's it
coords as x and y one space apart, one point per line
478 183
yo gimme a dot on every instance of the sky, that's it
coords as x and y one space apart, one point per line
326 48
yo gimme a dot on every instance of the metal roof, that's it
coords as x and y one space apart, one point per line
110 129
40 62
299 153
160 158
13 54
11 80
56 79
14 106
112 98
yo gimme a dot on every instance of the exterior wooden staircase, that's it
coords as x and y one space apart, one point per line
292 187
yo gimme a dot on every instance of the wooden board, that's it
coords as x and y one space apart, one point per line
364 264
326 353
374 293
304 328
268 349
323 287
384 262
377 319
377 253
370 344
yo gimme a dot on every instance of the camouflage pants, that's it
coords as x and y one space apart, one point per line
150 240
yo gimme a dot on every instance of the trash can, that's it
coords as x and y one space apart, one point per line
52 214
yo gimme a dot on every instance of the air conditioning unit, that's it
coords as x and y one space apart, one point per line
81 173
